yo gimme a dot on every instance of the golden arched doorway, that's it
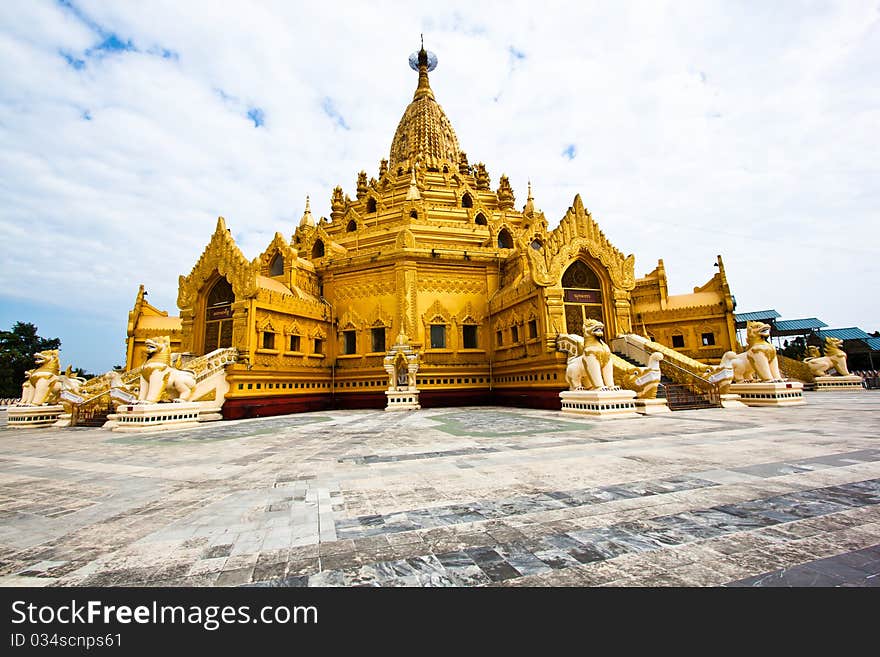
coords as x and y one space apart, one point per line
218 316
582 295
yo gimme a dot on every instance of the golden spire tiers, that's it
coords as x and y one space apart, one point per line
424 134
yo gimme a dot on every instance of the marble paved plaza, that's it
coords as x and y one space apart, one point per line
453 497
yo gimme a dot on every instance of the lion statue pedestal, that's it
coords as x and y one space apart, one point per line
402 363
135 418
834 361
590 376
170 398
41 393
756 375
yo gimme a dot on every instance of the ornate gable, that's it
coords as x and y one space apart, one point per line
223 256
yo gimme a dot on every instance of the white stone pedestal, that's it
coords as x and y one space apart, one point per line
652 406
133 418
761 393
851 382
730 400
31 417
403 400
599 403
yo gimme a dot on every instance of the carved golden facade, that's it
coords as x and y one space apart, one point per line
427 248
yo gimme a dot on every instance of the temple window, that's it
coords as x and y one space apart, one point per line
378 339
413 214
294 343
514 334
537 245
469 336
318 346
349 342
505 241
499 338
467 201
533 329
480 219
708 339
438 336
582 295
218 316
318 249
352 226
276 267
371 205
268 340
678 341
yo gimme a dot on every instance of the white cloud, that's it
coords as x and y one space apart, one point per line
745 130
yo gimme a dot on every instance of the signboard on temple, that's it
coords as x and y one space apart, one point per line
583 296
221 312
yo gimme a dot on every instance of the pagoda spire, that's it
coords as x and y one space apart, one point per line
529 207
425 63
307 219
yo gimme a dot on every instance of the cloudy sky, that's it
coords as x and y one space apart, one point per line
748 129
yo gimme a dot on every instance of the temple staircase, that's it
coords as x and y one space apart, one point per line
97 402
683 381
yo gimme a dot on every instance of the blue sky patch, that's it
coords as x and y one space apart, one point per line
570 152
257 115
73 61
330 110
87 115
516 54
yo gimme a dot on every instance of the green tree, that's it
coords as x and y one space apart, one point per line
17 349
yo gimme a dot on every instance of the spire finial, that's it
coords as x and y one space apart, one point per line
424 62
307 219
529 207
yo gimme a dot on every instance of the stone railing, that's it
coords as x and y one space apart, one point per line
209 364
795 369
676 366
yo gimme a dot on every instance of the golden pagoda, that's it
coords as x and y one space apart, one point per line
427 250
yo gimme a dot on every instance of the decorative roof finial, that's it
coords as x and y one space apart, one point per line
307 219
423 62
529 207
412 193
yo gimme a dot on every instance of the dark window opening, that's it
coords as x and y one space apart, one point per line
413 214
378 335
469 336
218 316
268 340
678 341
318 250
480 219
533 329
352 226
276 267
467 201
505 240
294 343
514 334
499 338
371 205
708 339
438 336
319 346
350 344
537 245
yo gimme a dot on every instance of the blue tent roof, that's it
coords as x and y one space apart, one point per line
851 333
873 344
757 316
805 324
